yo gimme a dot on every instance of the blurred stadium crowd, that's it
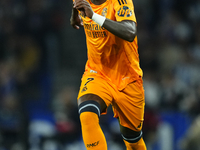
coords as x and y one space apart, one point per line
42 59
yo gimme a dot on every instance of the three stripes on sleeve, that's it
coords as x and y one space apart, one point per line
122 2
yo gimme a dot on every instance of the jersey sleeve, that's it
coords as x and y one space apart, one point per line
124 10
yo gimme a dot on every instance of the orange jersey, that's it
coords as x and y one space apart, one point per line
111 57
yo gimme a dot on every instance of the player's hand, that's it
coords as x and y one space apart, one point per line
84 7
75 20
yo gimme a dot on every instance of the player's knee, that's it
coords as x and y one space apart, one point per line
130 135
88 111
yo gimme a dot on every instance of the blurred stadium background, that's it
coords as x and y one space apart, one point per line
42 59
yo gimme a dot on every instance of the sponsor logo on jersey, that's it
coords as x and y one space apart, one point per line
94 30
93 144
124 11
93 27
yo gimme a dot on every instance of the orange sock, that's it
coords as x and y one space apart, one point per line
93 136
140 145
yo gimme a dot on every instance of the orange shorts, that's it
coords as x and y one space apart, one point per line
128 104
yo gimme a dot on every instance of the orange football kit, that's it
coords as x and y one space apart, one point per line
112 71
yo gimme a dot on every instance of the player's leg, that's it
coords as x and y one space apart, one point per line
132 139
128 107
90 108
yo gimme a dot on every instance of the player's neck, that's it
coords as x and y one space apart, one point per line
98 2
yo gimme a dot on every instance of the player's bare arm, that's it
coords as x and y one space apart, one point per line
125 29
75 19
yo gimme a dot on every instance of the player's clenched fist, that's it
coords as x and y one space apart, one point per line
84 7
76 21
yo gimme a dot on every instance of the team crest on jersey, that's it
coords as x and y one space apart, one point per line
124 11
84 89
80 13
104 12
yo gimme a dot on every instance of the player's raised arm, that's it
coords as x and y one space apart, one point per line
125 29
75 19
